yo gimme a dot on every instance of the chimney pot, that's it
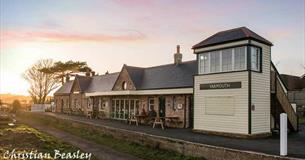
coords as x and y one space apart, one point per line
178 56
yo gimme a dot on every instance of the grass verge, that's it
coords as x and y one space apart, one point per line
23 138
94 134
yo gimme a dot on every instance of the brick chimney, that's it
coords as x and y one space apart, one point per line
178 56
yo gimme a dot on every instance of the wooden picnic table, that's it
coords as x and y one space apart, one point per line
137 119
172 119
158 120
162 121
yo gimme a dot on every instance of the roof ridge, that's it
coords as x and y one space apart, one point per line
162 64
105 74
230 35
232 29
246 31
135 67
171 64
220 32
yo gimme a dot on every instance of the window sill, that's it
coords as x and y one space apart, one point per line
222 72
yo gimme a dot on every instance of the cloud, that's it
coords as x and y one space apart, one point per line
53 36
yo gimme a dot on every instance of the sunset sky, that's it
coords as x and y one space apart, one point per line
108 34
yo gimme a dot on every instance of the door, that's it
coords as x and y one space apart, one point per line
191 112
162 106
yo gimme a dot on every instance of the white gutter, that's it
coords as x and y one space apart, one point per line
143 92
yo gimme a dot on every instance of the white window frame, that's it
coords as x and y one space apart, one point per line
245 61
201 65
151 104
257 66
232 60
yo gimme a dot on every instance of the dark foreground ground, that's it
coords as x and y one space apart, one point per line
24 138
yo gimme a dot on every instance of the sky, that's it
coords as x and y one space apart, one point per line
107 34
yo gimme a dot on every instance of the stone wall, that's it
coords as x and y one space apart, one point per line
61 103
103 105
178 105
78 104
123 77
175 105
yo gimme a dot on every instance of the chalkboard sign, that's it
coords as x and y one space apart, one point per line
224 85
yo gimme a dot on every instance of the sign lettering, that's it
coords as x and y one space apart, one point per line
224 85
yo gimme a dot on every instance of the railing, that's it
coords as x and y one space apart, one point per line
283 100
280 90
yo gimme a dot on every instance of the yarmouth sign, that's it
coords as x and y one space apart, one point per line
225 85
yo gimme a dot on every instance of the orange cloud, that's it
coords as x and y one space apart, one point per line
46 36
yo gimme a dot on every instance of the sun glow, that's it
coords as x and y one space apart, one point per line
14 61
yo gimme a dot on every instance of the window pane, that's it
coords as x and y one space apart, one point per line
215 61
255 53
206 63
239 58
151 103
201 57
227 60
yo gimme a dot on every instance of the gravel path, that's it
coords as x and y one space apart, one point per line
101 152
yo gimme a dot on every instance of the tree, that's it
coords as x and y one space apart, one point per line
41 83
64 69
16 106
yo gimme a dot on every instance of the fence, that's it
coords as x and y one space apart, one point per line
41 107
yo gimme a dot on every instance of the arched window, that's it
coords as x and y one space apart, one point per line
124 85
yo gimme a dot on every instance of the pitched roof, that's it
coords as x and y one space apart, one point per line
157 77
231 35
83 81
102 83
65 88
136 75
293 82
165 76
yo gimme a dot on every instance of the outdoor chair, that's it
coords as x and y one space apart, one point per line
133 119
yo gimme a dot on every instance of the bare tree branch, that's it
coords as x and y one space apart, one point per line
42 83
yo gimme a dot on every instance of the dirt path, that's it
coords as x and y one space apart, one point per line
101 152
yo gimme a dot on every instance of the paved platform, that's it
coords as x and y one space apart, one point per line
271 145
